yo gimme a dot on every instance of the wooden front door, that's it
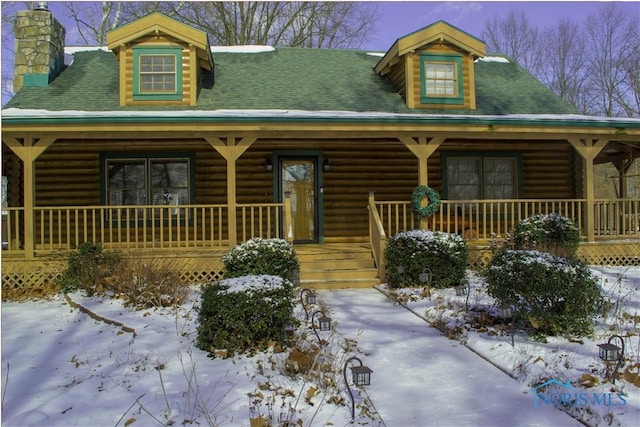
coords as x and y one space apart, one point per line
299 175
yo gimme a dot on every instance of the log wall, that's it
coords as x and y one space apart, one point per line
67 174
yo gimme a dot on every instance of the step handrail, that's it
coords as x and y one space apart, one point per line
377 237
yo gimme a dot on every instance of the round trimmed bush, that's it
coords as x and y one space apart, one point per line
550 233
445 255
553 294
244 313
258 256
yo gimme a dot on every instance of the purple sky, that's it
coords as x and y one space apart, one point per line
398 18
403 17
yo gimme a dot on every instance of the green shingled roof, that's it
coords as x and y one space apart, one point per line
291 79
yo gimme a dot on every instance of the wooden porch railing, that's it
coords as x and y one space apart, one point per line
484 219
142 227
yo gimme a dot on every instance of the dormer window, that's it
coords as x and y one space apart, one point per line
157 73
162 61
441 79
433 68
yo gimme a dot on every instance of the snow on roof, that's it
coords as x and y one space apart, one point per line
493 59
242 49
298 114
70 50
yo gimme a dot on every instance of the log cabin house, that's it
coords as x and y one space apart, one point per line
167 148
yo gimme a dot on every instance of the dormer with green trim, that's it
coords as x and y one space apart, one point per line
161 61
434 67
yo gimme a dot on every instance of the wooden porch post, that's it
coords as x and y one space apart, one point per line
622 166
231 151
422 149
28 151
589 150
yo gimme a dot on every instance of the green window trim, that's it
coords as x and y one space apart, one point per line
148 189
456 60
141 52
481 156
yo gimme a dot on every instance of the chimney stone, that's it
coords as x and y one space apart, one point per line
39 48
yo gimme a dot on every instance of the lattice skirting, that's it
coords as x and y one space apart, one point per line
614 253
38 277
600 253
22 277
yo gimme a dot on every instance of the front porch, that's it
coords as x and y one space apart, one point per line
193 238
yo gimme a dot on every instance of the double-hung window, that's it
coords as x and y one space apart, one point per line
476 177
157 73
441 79
149 180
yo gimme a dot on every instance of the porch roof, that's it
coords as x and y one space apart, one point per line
292 79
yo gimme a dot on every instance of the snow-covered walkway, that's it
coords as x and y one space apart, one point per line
421 378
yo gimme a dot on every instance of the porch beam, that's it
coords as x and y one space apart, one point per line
422 148
30 148
231 150
28 151
589 149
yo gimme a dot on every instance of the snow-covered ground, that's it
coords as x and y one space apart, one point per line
63 367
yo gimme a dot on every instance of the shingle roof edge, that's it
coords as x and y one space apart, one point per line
17 115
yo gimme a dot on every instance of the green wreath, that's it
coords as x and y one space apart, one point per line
419 193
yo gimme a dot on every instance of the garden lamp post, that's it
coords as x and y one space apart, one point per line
294 277
461 289
400 270
505 312
464 288
361 376
324 323
309 299
426 278
611 353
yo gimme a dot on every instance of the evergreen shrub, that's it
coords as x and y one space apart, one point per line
259 256
445 255
244 313
88 267
552 294
550 233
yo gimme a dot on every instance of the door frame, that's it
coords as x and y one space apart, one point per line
318 157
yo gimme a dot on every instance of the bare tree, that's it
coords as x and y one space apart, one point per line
613 37
308 24
94 19
564 67
516 37
8 14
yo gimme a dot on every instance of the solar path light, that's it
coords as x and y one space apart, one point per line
612 353
361 376
324 324
310 299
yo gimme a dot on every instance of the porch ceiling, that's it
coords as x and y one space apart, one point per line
619 151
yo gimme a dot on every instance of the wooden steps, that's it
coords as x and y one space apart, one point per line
336 266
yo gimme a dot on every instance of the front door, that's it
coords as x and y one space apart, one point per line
299 175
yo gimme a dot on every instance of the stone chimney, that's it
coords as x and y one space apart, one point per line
39 47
